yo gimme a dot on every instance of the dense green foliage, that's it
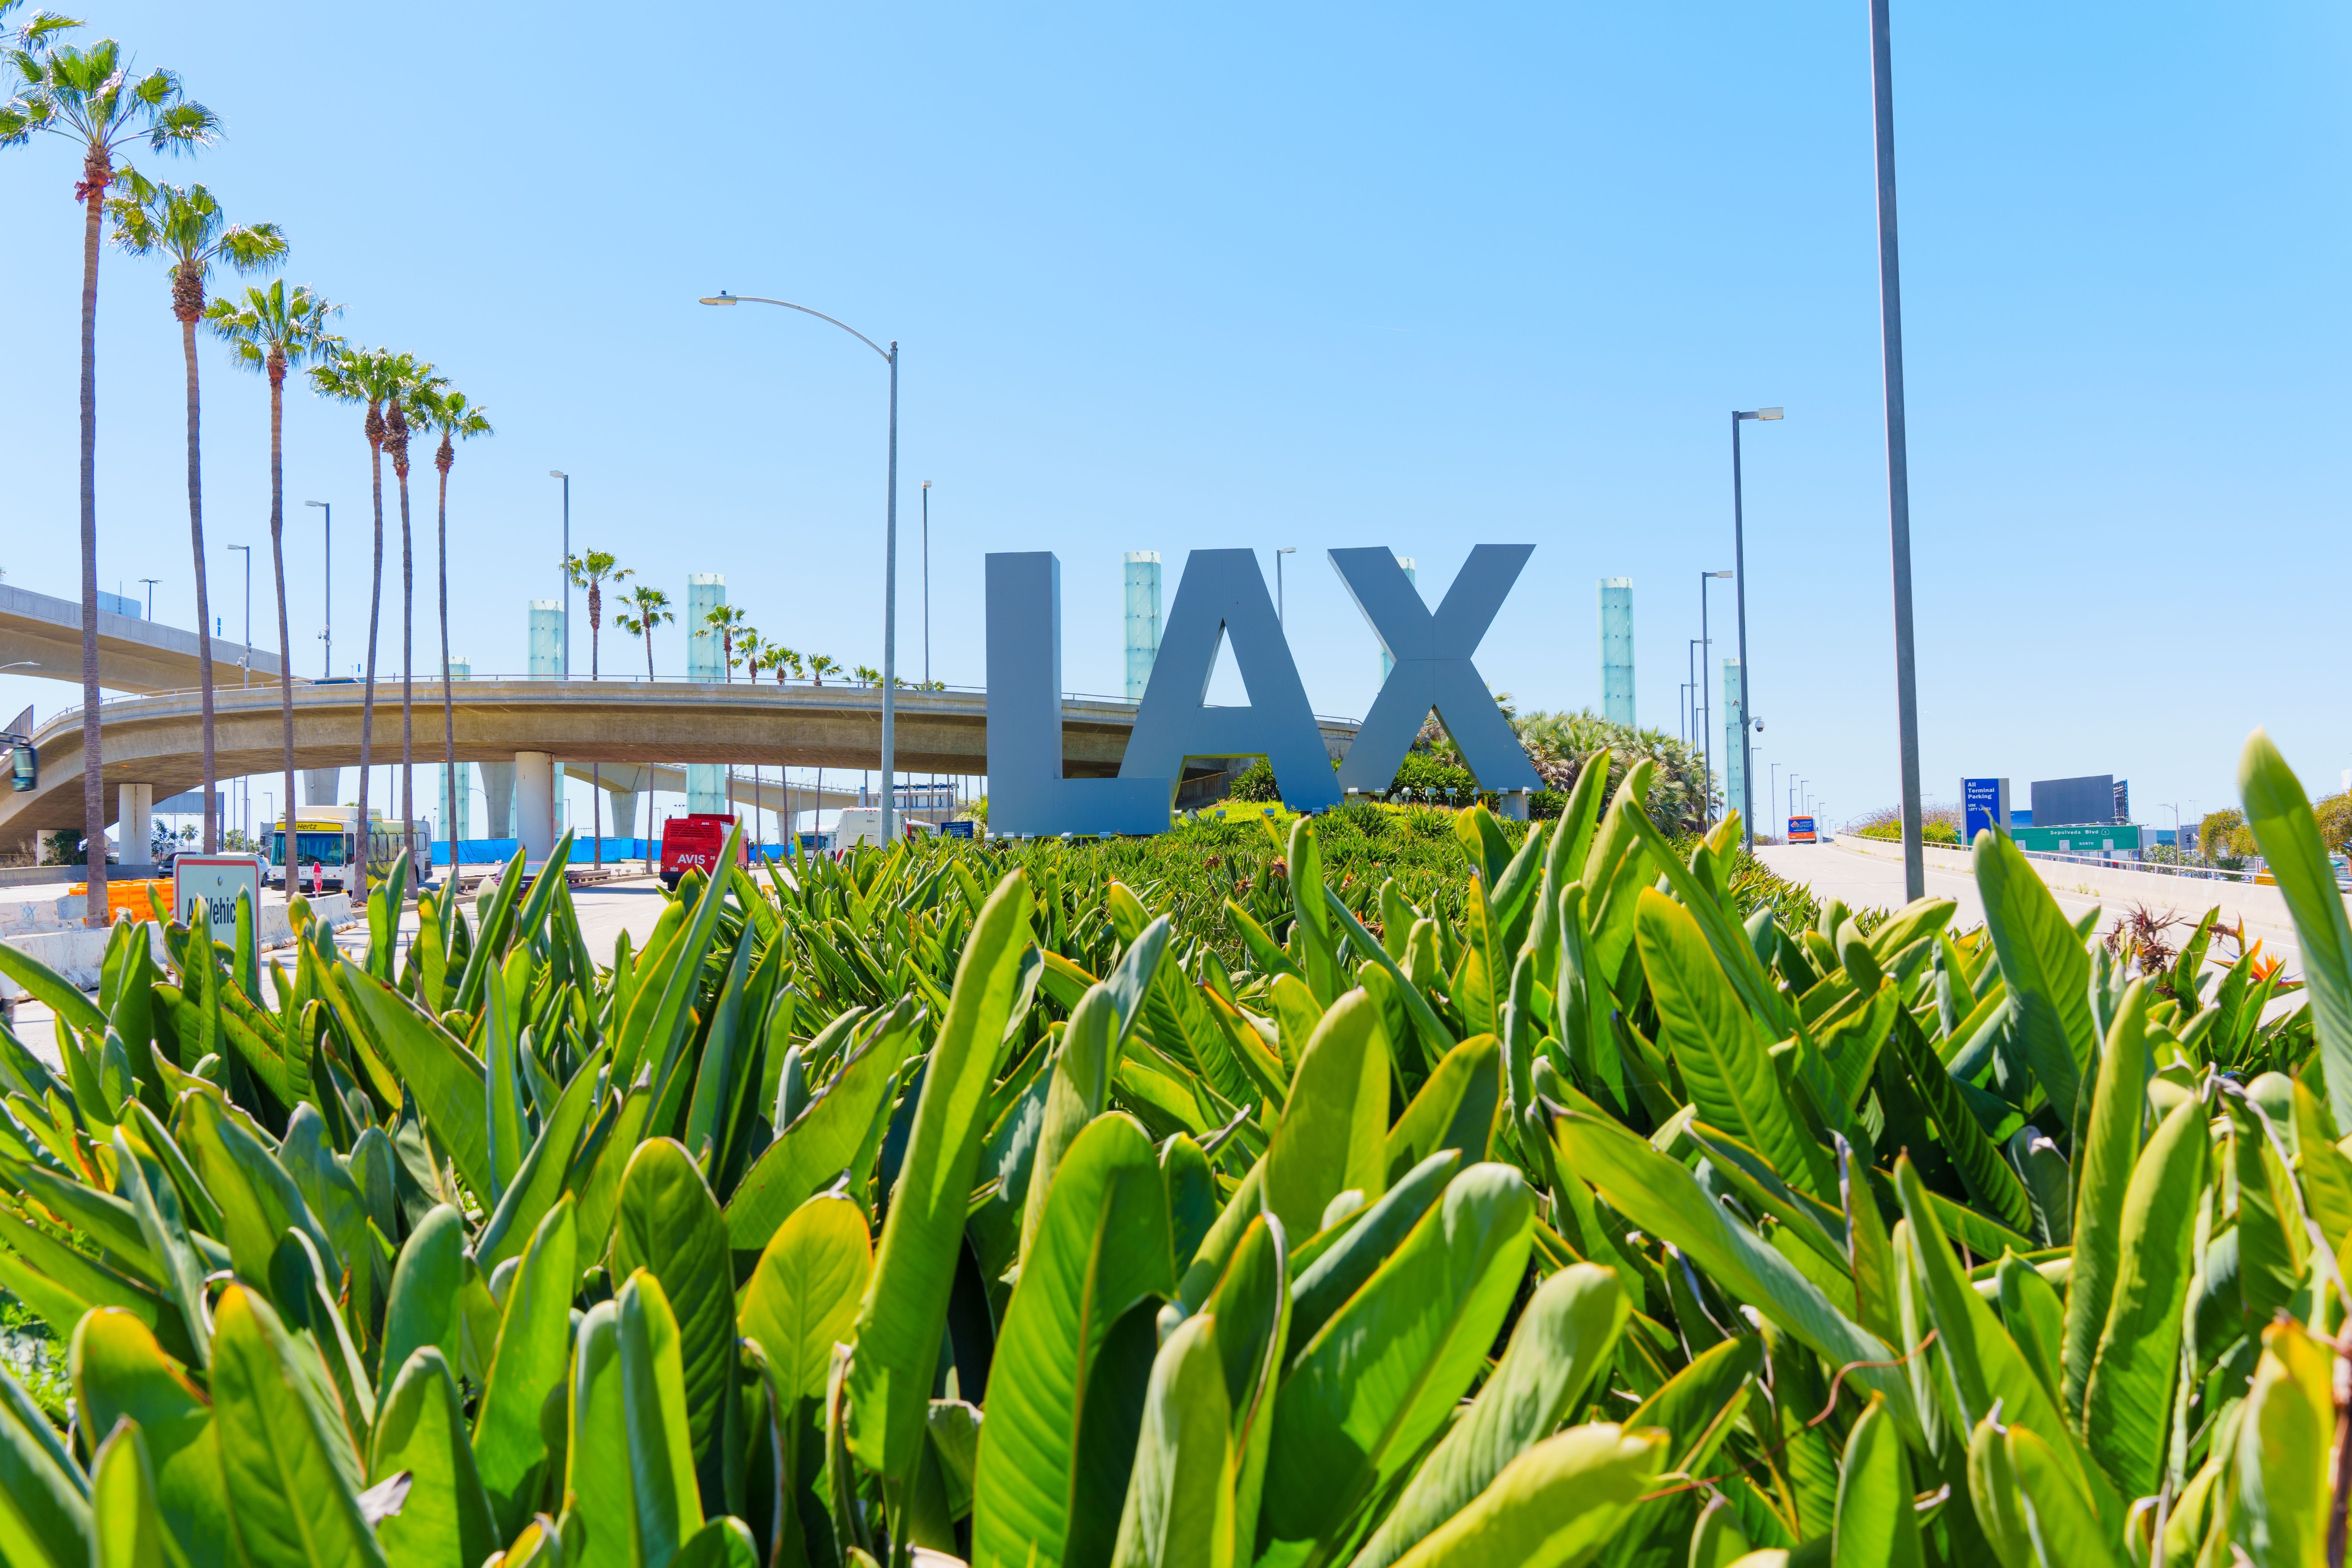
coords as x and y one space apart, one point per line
966 1202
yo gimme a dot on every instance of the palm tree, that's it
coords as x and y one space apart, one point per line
368 376
93 99
590 571
820 666
867 674
188 227
412 383
652 608
724 620
458 420
274 331
781 659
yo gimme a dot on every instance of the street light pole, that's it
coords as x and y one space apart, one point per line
1746 686
151 582
248 610
327 585
1281 613
889 563
1705 740
1898 461
927 582
564 566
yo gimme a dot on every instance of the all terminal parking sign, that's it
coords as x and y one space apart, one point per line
214 881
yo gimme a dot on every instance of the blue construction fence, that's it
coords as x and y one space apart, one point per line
499 851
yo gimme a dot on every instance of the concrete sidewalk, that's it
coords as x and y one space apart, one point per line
1868 873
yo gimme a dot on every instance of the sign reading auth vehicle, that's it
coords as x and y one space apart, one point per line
214 881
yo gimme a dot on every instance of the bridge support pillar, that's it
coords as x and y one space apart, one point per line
322 786
134 829
534 802
498 786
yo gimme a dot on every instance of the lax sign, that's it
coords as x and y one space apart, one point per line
1223 596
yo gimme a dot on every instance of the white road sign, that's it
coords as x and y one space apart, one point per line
213 881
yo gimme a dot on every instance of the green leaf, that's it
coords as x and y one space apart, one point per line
423 1306
819 1144
598 1478
905 1311
1714 1040
2127 1399
129 1528
1078 1092
1567 1336
533 1344
1333 1135
1376 1383
52 990
1553 1507
1454 1110
802 1295
663 1041
1657 1195
668 1507
503 1117
539 1181
1179 1511
291 1480
1990 1179
421 1429
2044 964
1981 1362
433 1065
1326 1285
669 1226
2273 1240
2282 1450
1102 1250
1724 936
2065 1531
2104 1158
2278 812
121 1373
259 1202
724 1543
1992 1492
1875 1527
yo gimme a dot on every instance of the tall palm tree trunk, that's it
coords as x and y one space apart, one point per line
441 461
292 852
398 420
358 879
97 173
181 291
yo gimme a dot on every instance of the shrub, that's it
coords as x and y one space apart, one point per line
1255 783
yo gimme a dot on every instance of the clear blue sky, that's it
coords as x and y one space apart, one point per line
1331 276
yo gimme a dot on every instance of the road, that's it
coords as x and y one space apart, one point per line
1872 877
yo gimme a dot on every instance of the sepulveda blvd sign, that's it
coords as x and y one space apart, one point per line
1223 596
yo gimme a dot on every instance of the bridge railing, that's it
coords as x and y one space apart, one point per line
43 723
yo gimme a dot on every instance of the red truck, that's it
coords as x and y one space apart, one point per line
695 842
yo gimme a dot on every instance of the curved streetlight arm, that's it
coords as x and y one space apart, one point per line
723 298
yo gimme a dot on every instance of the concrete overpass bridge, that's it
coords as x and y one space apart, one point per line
636 733
44 636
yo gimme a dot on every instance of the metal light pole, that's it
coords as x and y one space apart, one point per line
1281 613
151 582
927 582
327 589
563 566
247 660
1746 686
1705 740
1899 462
889 560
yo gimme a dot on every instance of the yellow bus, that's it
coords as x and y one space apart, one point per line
326 844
